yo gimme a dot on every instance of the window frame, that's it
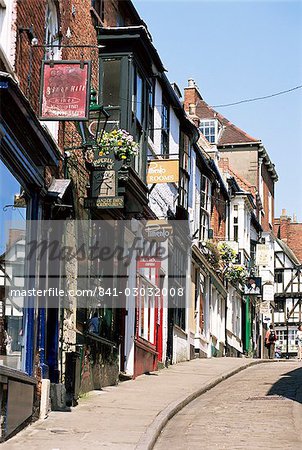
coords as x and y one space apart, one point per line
52 31
165 128
151 105
212 124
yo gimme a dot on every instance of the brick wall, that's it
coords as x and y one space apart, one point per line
218 216
268 187
294 240
290 232
29 12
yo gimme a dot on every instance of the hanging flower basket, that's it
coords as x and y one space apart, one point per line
236 273
120 142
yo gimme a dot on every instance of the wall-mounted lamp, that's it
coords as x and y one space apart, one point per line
33 40
100 116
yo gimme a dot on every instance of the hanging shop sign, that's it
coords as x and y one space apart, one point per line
157 230
265 308
104 183
262 255
148 262
65 90
253 286
163 171
268 292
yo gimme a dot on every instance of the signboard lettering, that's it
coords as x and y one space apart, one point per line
65 90
103 202
262 255
163 171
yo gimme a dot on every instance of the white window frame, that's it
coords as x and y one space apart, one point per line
208 124
206 193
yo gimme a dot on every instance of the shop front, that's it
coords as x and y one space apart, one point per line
149 314
26 149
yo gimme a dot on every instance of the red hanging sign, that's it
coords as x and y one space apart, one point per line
65 90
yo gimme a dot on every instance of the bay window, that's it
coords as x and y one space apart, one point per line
125 93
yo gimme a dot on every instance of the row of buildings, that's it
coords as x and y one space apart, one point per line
197 195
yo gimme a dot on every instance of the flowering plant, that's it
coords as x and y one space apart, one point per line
233 272
227 254
236 273
119 141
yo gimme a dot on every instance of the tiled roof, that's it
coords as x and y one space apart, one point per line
230 134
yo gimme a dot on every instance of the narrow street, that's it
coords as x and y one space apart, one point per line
260 407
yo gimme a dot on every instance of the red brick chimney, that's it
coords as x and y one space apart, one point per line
191 95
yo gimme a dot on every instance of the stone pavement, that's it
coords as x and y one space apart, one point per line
130 415
260 408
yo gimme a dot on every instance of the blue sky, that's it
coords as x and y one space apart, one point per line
236 50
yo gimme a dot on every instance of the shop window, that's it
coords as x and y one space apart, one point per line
99 319
146 311
178 276
12 268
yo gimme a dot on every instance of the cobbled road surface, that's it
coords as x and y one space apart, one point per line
259 408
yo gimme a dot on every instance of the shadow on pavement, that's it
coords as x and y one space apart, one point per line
289 386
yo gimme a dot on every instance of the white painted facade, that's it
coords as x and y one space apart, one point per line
234 319
211 296
164 198
288 293
8 34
